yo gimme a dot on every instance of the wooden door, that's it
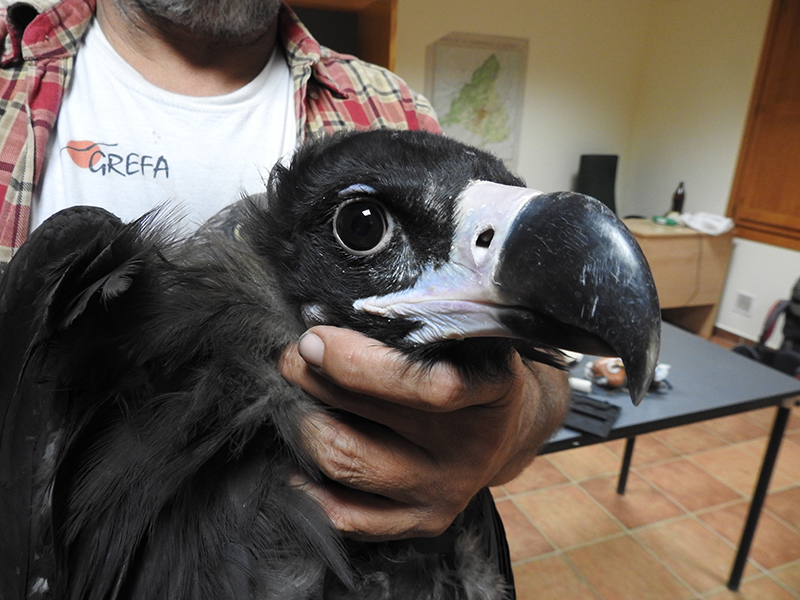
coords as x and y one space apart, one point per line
765 199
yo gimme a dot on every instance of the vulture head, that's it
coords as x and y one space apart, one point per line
146 436
436 249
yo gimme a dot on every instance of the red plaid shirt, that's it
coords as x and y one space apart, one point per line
332 92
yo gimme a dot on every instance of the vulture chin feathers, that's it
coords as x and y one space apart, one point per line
147 438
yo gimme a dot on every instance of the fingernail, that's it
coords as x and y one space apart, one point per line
311 348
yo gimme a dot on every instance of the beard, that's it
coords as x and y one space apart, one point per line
226 19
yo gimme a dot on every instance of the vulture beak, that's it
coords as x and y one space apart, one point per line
557 269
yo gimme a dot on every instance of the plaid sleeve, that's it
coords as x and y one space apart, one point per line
34 69
365 97
335 91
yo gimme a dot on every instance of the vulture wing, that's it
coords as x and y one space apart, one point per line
136 448
28 417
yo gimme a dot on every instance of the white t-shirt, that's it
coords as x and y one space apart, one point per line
127 145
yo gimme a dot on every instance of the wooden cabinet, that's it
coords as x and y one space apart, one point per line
689 269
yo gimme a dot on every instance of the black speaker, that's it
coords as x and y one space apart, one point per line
597 177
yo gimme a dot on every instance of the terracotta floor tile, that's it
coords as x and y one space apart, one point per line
616 446
524 541
641 504
697 554
688 484
732 466
566 515
550 579
585 462
761 588
755 447
787 469
689 438
789 460
790 576
728 521
762 417
660 559
794 419
540 474
773 545
621 569
786 505
647 449
497 492
735 428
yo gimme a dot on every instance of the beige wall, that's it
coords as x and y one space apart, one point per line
663 83
585 62
693 101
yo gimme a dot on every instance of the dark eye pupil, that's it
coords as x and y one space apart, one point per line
361 225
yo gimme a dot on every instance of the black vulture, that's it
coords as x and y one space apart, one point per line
147 438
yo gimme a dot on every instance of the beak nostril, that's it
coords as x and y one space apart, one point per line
485 238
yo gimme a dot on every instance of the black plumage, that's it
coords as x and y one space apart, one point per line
146 435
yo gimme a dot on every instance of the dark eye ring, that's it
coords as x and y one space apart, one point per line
362 226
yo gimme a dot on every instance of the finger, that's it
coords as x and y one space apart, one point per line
397 417
312 381
368 457
445 434
362 365
454 433
365 366
369 517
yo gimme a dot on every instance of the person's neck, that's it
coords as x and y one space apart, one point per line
183 63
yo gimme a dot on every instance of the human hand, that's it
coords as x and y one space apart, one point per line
421 443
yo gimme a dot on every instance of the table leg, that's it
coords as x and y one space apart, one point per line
759 495
626 465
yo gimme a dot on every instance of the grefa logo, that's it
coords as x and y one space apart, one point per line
101 159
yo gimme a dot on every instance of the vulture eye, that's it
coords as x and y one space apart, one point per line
362 226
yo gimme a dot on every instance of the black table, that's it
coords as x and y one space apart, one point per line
708 381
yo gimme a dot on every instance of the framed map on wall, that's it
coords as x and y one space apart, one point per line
477 85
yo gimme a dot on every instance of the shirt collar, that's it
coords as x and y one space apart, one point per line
304 53
53 33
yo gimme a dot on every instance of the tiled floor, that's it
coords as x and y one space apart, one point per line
673 535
